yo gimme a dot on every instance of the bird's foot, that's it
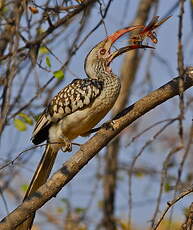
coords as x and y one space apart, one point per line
67 147
108 125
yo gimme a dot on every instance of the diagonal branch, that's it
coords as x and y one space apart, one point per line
91 148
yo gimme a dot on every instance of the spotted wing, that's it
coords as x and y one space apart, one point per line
78 95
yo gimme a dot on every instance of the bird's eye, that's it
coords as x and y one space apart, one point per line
154 33
102 51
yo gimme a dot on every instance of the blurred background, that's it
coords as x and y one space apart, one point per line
127 185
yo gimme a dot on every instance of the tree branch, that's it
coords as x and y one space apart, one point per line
91 148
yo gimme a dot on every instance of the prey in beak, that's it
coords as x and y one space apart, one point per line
148 31
111 39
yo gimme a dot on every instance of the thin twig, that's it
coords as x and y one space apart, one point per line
135 159
28 149
171 204
150 127
163 177
181 71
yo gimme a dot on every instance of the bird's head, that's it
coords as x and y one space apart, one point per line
100 57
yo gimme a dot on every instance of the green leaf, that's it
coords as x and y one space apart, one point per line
186 211
5 10
20 125
79 210
48 62
100 204
139 174
59 74
24 187
167 187
59 210
43 50
26 118
37 116
65 201
40 31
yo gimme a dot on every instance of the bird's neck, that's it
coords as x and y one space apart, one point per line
103 76
99 70
103 73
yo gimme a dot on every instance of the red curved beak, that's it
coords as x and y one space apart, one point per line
116 35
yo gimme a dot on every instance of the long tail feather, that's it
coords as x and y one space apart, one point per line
40 177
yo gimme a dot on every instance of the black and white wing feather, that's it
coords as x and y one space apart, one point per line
78 95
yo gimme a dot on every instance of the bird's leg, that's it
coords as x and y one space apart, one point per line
67 147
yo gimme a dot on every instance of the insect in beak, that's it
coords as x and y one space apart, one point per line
148 31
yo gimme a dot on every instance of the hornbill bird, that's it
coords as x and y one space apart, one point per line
77 108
